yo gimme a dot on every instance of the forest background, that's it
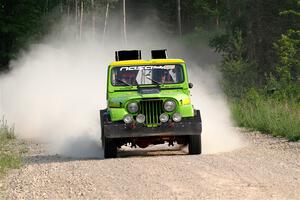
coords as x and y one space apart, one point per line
258 42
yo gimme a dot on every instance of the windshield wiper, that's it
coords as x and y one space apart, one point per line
123 82
157 83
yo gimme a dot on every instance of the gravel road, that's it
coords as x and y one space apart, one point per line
267 168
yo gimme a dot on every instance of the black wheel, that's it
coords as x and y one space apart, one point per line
195 144
102 135
110 148
103 119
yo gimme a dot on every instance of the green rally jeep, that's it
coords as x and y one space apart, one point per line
148 102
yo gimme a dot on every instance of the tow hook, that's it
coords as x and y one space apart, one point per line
171 143
171 124
130 126
133 126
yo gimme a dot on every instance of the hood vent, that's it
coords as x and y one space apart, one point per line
159 54
128 55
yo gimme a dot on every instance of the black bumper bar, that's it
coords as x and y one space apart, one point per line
188 126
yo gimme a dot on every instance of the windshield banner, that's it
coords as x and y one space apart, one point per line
138 68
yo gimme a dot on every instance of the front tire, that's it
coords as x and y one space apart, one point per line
102 121
110 148
195 144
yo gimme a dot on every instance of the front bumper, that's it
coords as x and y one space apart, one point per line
188 126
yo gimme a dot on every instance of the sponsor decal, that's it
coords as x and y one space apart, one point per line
148 67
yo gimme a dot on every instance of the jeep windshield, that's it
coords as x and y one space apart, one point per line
147 75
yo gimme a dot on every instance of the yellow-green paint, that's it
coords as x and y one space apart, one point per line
119 96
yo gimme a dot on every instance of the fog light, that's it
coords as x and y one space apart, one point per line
128 119
177 117
164 117
140 118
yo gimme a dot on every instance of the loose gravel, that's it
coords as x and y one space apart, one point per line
268 168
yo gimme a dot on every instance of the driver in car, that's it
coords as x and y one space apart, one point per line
166 77
127 78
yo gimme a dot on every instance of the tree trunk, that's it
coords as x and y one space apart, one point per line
47 6
179 18
81 20
105 22
217 15
61 7
124 23
76 12
68 8
93 17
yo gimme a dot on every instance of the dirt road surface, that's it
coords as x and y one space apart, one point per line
267 168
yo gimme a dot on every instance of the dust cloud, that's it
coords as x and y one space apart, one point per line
219 133
55 90
54 93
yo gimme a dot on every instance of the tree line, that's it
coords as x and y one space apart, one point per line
25 21
258 39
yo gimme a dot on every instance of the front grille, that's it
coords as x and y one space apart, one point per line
152 109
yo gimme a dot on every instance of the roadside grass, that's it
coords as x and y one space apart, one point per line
9 155
269 116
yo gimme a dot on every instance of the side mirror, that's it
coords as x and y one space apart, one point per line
191 85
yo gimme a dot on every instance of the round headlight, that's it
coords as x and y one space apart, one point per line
128 119
176 117
140 118
169 105
132 107
164 117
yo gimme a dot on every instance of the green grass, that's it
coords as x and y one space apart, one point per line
269 116
9 156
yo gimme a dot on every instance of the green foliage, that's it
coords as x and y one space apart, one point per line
238 73
199 36
19 24
258 40
268 116
9 158
285 79
261 65
8 161
199 39
6 131
261 24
